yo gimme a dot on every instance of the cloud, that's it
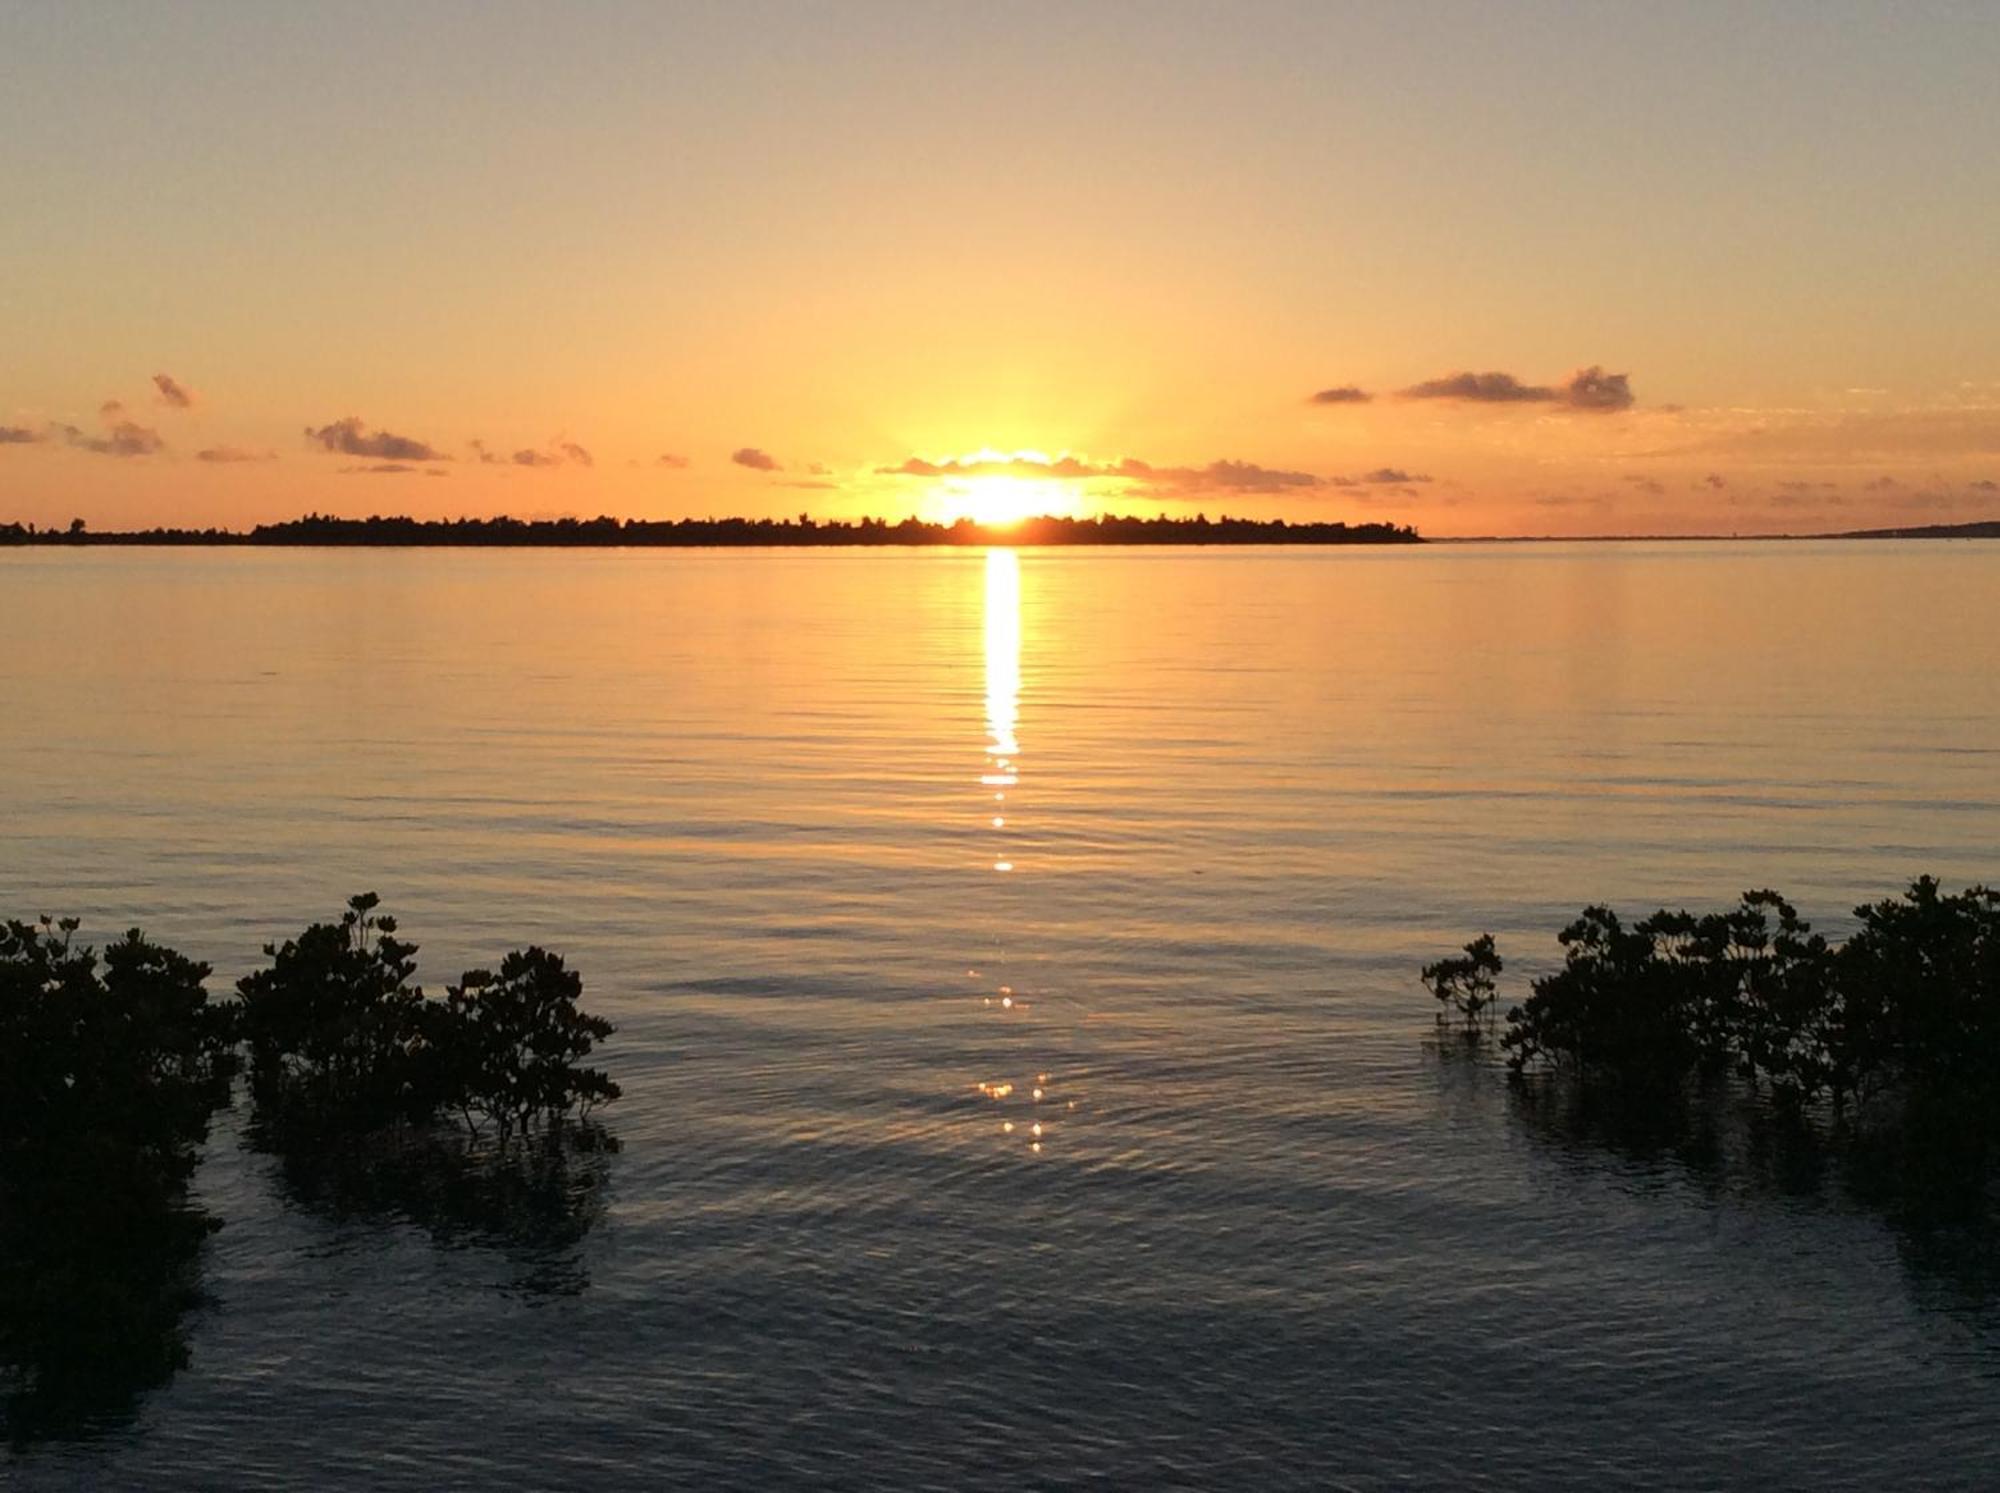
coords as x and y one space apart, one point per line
110 410
1147 479
1593 389
757 461
1880 484
1648 485
1142 478
1234 477
1983 484
816 485
558 453
1716 480
231 454
1587 389
349 437
173 392
379 469
124 438
20 435
1344 394
672 462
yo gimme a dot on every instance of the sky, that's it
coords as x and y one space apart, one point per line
1485 268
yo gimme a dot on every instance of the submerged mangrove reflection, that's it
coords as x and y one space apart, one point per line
108 1078
470 1116
1766 1060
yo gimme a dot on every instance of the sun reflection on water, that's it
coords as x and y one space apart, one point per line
1001 772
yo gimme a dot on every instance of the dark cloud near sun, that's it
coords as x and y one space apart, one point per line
349 437
755 460
1590 389
1144 479
1343 394
173 392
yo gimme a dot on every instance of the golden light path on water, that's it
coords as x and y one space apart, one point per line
1001 774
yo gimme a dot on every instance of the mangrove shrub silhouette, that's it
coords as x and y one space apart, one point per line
111 1069
1464 985
108 1077
468 1116
342 1041
512 1045
1908 1007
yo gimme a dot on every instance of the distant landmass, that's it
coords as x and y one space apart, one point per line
319 529
1984 529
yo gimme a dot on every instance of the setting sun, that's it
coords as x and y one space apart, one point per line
999 500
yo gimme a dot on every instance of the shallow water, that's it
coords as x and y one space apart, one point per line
1272 1234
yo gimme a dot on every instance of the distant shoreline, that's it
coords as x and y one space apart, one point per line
1983 529
728 533
316 531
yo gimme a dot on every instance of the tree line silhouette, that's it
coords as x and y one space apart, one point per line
801 532
470 1114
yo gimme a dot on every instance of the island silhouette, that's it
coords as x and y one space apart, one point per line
803 531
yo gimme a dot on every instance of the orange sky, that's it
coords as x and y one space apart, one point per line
1549 268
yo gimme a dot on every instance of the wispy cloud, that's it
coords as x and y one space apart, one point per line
1140 478
671 461
1343 394
228 455
1590 389
379 469
557 453
124 438
21 435
349 437
755 460
173 392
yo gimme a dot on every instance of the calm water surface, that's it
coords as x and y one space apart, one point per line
839 838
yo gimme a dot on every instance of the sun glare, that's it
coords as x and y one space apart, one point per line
1000 500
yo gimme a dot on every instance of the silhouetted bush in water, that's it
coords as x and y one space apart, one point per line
336 1030
1465 985
107 1083
109 1076
511 1044
1879 1058
1909 1005
341 1041
468 1116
